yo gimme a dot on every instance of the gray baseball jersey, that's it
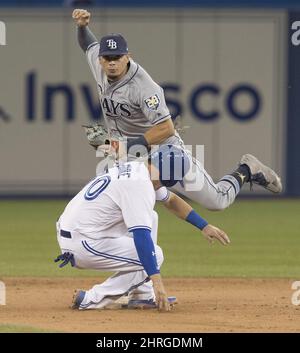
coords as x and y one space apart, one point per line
132 105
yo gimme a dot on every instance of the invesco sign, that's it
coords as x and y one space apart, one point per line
229 100
46 94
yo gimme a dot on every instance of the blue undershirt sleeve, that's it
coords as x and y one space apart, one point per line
145 249
85 37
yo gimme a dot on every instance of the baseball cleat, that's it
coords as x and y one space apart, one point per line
261 174
146 304
78 297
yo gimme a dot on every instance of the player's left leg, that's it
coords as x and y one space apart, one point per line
108 293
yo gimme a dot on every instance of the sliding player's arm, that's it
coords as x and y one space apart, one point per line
184 211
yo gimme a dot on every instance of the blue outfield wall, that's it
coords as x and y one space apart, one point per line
293 100
292 4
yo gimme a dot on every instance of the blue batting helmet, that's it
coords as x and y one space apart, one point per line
172 163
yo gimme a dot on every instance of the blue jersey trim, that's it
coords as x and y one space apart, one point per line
138 227
91 194
166 198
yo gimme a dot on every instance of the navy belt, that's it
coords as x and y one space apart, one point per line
65 234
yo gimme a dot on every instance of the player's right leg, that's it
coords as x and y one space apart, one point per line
112 254
199 186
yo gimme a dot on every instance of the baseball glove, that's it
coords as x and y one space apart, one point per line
97 135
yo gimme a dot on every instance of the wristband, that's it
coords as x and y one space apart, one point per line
196 220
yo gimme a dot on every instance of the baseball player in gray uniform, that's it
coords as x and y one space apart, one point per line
134 107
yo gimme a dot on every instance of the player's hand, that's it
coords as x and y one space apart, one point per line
81 17
103 150
161 297
211 232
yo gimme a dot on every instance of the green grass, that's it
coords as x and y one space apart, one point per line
8 328
28 239
265 241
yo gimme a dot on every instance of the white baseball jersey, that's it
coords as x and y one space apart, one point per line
133 104
113 204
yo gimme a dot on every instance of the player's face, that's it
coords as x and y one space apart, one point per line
115 66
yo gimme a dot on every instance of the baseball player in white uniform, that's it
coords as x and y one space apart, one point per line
134 107
110 225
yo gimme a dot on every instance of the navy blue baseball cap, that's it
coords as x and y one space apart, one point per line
172 163
113 44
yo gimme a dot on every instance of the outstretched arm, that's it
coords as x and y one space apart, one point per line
160 132
146 251
183 210
84 35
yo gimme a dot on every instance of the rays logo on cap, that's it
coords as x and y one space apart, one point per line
112 44
152 102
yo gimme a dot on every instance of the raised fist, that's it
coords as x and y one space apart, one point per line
81 17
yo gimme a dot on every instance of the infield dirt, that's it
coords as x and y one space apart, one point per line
205 305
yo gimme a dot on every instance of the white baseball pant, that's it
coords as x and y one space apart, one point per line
112 254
